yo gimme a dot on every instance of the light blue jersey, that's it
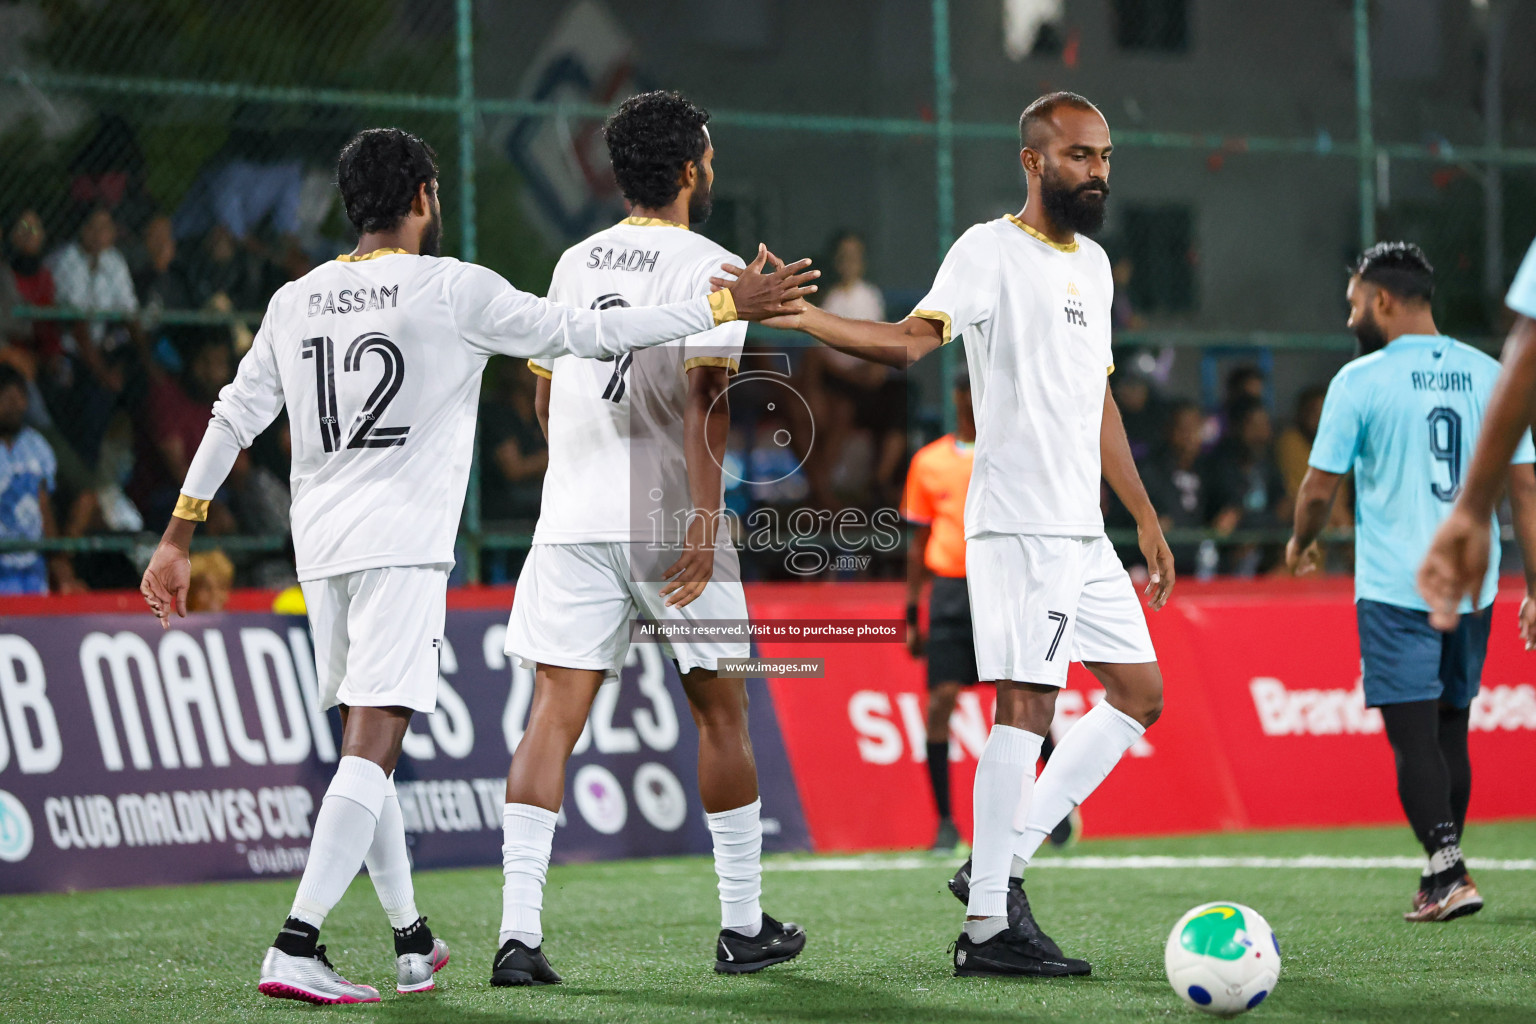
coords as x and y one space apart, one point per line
1406 419
1522 294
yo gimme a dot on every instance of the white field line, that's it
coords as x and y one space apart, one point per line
1142 863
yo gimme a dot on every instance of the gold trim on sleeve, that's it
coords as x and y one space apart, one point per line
541 371
1110 370
1031 232
933 314
193 509
652 222
728 363
723 305
348 257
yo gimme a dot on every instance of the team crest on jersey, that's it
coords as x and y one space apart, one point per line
1074 306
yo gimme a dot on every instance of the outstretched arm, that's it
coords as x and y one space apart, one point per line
1119 468
899 345
499 319
1458 557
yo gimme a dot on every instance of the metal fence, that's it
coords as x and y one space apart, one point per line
211 126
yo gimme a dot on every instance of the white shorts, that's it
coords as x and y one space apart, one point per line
1040 603
575 602
377 636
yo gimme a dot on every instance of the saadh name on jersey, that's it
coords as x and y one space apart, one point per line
604 257
354 300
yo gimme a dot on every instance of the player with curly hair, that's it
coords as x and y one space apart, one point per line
629 526
378 357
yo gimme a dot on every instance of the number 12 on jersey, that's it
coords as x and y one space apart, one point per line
366 433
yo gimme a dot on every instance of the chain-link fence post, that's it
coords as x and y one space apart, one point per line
944 165
1367 167
468 251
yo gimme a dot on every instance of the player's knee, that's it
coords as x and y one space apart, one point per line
1136 690
1027 707
717 704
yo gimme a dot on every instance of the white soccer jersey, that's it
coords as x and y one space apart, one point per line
1035 317
378 360
616 465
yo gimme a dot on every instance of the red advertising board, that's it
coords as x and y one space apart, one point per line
1264 725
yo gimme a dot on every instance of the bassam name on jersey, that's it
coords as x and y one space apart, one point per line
604 258
353 300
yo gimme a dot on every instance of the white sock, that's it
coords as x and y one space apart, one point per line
344 828
1079 763
981 931
389 863
1005 777
528 833
738 839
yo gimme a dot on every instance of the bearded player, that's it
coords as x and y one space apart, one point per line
378 357
1404 417
1032 297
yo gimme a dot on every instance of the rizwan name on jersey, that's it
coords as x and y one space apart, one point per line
353 300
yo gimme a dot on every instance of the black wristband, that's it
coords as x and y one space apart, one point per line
911 614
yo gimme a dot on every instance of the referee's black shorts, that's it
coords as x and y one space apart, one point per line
951 644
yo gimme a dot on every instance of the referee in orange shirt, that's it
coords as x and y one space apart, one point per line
937 481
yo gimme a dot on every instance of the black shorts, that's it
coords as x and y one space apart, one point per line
951 645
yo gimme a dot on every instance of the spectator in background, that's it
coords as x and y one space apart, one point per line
257 177
1294 448
107 171
162 281
1175 480
91 274
27 470
513 458
34 285
226 277
1122 314
514 451
1143 411
213 576
176 415
1295 444
846 393
1246 487
1244 383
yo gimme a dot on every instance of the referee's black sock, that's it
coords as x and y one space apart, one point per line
938 775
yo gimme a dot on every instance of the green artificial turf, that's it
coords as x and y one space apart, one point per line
635 943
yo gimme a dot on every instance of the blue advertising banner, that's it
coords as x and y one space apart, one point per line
135 756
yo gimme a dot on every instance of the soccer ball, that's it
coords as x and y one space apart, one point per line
1222 958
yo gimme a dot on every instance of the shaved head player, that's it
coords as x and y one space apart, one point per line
1032 297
